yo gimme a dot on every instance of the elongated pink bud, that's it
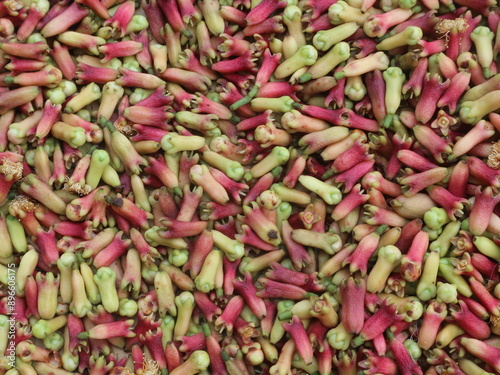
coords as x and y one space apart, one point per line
411 263
111 252
375 180
458 85
121 328
351 157
298 254
73 14
470 323
394 164
415 83
86 74
31 295
433 317
358 260
235 189
18 65
377 25
491 303
147 133
75 327
45 240
480 170
374 364
129 211
275 289
239 64
299 335
14 98
50 115
376 324
415 161
452 204
247 289
122 17
375 215
192 343
159 98
228 317
153 343
476 307
482 209
120 49
353 300
269 26
155 17
97 7
419 181
406 364
483 351
283 274
458 179
159 168
171 11
435 144
433 47
172 228
207 306
480 6
261 12
214 351
201 248
82 230
341 117
350 177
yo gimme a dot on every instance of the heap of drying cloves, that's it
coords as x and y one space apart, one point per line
245 187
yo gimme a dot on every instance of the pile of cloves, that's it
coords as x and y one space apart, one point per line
242 187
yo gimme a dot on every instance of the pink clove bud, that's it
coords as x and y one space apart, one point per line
482 209
298 254
275 289
470 323
374 364
172 228
109 253
260 13
129 211
121 18
120 328
489 302
376 324
283 274
414 85
458 85
247 289
155 17
299 335
406 363
228 317
353 297
207 306
152 339
489 354
452 204
433 317
350 177
480 170
416 182
411 262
